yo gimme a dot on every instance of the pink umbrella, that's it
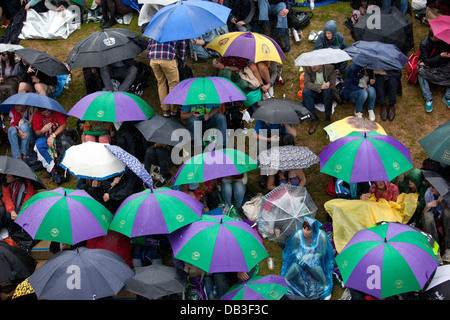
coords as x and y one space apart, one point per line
441 27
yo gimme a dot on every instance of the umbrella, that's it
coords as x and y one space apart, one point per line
387 260
270 287
80 274
91 160
111 107
280 111
343 127
286 158
376 55
132 163
159 129
9 47
64 215
157 281
19 168
115 242
437 143
250 45
218 243
186 20
439 287
104 47
441 27
204 90
365 156
159 211
439 183
15 263
32 99
322 56
158 2
282 211
387 25
43 61
212 165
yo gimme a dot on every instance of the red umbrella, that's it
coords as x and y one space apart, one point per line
115 242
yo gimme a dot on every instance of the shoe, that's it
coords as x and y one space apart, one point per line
313 36
110 23
166 114
383 113
281 40
447 102
313 126
391 113
163 181
429 105
358 115
56 177
371 115
438 256
446 256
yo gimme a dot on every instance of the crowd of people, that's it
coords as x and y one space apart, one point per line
35 134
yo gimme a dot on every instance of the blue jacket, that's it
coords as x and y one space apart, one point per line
351 81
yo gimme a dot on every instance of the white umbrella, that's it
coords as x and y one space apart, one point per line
9 47
91 160
322 56
160 2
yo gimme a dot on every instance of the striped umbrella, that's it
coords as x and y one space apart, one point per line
270 287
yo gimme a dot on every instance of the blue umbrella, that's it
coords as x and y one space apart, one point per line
376 55
132 163
32 99
186 20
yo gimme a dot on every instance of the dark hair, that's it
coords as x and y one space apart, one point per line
306 224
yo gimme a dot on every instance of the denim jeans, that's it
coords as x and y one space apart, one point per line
426 92
403 6
19 146
266 9
429 226
359 97
235 190
393 80
218 121
310 98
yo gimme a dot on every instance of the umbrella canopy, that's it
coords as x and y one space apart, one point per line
218 243
387 260
64 215
441 27
91 160
186 20
437 144
43 61
365 156
280 111
270 287
212 165
15 263
286 158
439 183
81 274
439 287
322 56
250 45
32 99
9 47
377 55
104 47
159 211
205 90
111 106
343 127
159 129
157 281
19 168
282 211
388 26
132 163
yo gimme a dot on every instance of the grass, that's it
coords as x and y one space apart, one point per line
411 122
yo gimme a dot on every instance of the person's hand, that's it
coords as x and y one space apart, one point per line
27 6
60 8
50 141
240 23
284 12
266 86
243 276
372 82
35 79
196 114
47 127
274 138
362 10
207 116
233 20
365 197
445 55
325 85
22 134
106 197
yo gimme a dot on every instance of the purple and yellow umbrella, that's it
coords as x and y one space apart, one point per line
250 45
387 260
270 287
365 156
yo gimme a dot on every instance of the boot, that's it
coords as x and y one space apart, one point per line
313 126
383 113
391 113
267 30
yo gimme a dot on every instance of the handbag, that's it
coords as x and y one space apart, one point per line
248 76
299 19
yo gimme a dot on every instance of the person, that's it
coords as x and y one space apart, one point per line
209 116
357 88
320 86
434 53
280 9
437 212
391 78
242 14
111 9
382 190
294 177
331 38
9 75
20 134
401 5
98 131
121 187
234 187
351 191
414 182
268 72
47 125
32 80
163 61
159 154
123 72
58 5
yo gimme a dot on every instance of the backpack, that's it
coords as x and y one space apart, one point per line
411 71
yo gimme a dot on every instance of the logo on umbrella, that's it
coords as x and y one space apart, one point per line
274 294
338 168
122 224
202 96
254 254
100 113
265 49
180 218
109 41
54 232
223 41
396 166
190 175
196 255
399 283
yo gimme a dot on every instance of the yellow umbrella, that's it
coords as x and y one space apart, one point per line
24 288
250 45
343 127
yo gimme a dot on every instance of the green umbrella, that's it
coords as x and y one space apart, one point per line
270 287
212 165
437 144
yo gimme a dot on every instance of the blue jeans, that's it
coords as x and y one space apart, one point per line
359 97
403 6
266 9
393 80
426 92
310 98
19 146
218 121
236 190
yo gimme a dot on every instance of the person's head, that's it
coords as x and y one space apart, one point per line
330 29
7 55
432 37
317 68
381 185
329 35
434 191
306 229
45 112
20 107
10 178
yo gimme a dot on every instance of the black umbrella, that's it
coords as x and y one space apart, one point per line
43 61
439 183
105 47
159 129
280 111
391 26
15 263
439 286
19 168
